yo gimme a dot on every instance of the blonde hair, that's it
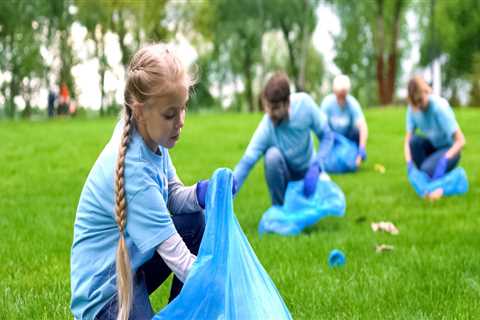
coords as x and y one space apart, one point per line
416 87
152 72
341 83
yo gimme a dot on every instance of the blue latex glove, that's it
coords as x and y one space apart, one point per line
362 153
441 168
310 180
410 166
201 192
202 187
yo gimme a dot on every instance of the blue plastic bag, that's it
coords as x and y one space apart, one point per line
226 281
299 212
342 157
454 182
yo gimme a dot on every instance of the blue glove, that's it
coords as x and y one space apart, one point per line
202 187
441 168
362 153
410 166
201 192
310 180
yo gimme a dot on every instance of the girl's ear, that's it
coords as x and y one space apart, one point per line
137 110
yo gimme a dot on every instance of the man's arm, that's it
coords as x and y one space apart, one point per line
256 148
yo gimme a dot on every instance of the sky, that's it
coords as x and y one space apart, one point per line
87 77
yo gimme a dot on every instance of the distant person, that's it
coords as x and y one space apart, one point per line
434 140
63 99
52 97
72 109
345 116
283 137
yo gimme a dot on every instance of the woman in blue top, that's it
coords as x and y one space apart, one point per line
434 140
345 116
136 222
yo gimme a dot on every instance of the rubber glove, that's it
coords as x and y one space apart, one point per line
441 168
310 180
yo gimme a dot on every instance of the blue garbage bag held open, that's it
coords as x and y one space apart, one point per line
299 212
342 157
453 183
227 280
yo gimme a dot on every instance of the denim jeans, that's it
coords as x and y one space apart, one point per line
278 174
154 272
425 155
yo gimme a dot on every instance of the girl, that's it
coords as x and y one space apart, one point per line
133 201
434 140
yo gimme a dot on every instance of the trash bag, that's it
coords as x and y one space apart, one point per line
342 157
227 280
299 212
454 182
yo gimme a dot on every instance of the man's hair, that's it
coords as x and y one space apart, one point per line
277 88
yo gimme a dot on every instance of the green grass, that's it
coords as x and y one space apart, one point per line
433 273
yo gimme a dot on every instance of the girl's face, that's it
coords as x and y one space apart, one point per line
162 118
422 103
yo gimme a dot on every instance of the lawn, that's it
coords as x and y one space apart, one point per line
433 272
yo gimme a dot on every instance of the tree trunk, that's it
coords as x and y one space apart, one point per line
102 65
291 55
380 39
305 44
27 112
393 55
13 86
122 32
247 70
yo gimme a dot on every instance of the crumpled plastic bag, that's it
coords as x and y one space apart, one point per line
227 280
454 182
342 157
299 212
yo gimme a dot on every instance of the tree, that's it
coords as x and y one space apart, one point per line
371 33
96 19
296 21
19 48
235 38
57 18
451 30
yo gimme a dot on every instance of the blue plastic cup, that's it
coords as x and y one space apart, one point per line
336 258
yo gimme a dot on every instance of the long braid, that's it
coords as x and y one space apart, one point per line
123 268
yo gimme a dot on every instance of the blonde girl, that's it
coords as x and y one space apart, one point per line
136 222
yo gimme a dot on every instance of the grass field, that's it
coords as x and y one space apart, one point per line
433 273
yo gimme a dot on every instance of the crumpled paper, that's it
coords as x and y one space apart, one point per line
385 226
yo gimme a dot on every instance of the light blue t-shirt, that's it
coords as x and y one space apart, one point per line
437 123
292 137
342 119
93 277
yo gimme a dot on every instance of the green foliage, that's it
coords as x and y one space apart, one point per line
455 26
19 48
370 45
431 274
296 21
236 40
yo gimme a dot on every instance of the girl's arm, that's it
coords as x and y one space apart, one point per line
406 147
181 199
457 145
176 255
